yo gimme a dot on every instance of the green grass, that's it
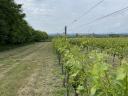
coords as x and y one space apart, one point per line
4 47
15 78
17 71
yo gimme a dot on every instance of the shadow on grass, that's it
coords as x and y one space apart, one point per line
5 47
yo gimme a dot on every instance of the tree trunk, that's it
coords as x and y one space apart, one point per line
76 94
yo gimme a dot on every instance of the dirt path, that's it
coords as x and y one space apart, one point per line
30 71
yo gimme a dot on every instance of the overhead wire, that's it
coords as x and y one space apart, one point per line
85 13
106 16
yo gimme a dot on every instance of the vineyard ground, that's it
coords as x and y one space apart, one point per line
30 70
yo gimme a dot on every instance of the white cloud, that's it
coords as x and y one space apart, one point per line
117 25
52 15
32 8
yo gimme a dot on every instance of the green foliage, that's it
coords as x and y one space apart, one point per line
13 28
90 74
40 36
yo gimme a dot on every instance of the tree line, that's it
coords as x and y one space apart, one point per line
13 27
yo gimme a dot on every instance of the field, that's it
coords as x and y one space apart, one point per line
63 48
66 67
93 66
31 70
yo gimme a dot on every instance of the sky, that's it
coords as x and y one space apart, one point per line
52 15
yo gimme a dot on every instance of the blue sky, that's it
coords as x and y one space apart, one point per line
53 15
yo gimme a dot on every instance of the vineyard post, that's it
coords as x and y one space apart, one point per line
67 83
64 79
65 30
59 57
114 56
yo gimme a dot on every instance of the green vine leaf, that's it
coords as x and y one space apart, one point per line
93 90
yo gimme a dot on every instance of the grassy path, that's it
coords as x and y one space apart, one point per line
31 70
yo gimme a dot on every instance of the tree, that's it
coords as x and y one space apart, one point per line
13 28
